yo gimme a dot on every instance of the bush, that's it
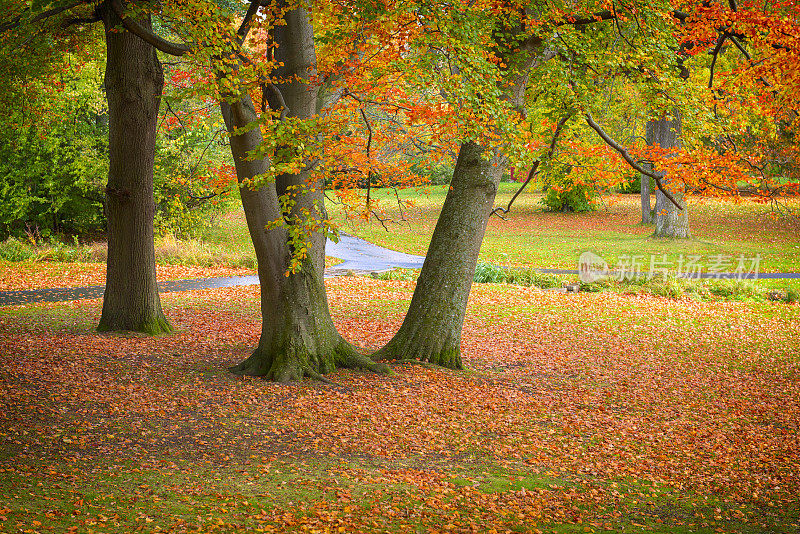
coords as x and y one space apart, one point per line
12 249
570 198
486 273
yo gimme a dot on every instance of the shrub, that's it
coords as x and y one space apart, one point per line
12 249
575 198
487 273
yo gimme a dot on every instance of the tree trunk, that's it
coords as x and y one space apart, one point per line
298 337
431 330
134 81
670 221
647 211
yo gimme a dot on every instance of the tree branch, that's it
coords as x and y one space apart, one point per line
43 15
499 211
595 17
244 28
156 41
627 157
714 53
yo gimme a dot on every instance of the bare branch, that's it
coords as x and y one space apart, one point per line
499 211
627 157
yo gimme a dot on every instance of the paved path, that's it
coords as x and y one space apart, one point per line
359 256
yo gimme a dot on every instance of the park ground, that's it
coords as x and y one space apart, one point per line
586 412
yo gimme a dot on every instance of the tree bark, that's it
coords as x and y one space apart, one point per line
431 330
670 221
298 337
644 188
134 81
647 211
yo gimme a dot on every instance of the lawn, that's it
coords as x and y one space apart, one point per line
532 237
588 412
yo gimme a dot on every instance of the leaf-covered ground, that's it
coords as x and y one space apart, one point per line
579 413
40 275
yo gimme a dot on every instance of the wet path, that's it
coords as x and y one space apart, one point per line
359 256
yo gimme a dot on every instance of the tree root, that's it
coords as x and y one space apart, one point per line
348 357
313 375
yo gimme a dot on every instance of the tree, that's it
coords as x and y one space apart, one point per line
671 220
134 83
284 209
431 330
298 337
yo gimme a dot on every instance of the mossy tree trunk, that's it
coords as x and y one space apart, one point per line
431 330
298 337
134 81
670 221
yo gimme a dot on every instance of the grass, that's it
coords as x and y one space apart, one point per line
530 237
535 238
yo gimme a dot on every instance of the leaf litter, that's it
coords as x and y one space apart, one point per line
590 412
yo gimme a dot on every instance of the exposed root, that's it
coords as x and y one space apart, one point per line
310 373
348 357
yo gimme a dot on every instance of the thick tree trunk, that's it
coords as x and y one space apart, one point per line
431 330
670 221
134 82
298 337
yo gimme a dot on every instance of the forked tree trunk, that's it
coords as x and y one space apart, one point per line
670 221
298 337
134 81
431 330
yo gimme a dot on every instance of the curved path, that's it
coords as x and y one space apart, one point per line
359 257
